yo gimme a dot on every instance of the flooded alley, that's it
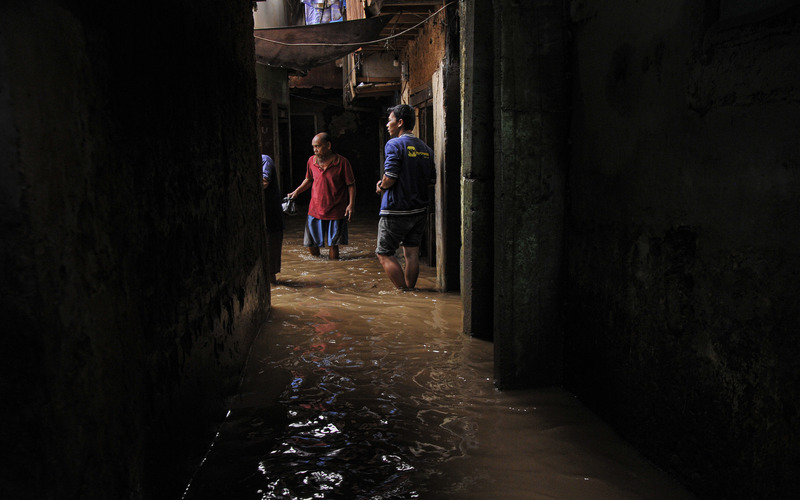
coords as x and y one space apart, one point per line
356 391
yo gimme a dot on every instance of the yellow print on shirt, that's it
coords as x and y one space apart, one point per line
413 153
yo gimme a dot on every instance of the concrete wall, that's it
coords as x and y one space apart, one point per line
273 14
530 164
132 239
683 245
477 167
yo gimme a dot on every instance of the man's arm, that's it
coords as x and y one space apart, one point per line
384 184
302 187
351 190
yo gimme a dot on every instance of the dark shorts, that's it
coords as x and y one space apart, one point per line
395 231
318 231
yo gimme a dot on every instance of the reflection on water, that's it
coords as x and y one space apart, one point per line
357 391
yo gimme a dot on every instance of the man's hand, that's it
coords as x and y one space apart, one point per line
384 184
348 212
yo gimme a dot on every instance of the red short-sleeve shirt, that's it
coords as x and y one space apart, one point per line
329 194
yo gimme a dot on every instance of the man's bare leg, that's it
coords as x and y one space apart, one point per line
333 253
412 266
314 251
392 267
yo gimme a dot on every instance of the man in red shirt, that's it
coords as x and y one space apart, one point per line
333 197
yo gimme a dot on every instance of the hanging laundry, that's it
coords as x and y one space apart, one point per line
323 11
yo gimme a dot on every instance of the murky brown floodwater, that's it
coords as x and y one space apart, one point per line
357 391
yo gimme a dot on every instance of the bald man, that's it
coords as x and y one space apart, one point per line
333 197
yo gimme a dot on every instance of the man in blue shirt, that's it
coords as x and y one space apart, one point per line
408 171
273 215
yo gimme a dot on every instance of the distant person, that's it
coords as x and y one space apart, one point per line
333 197
408 172
273 215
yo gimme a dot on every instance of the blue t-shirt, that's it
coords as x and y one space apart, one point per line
410 162
267 167
273 214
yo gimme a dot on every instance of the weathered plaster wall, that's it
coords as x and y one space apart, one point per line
425 53
272 14
683 246
477 167
132 239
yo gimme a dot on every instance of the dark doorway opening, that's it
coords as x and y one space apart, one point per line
265 132
303 130
284 143
427 251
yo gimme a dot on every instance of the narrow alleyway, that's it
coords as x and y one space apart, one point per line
356 391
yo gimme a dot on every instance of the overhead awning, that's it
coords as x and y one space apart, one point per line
304 47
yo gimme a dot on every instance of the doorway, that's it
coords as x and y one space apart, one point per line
303 127
427 251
